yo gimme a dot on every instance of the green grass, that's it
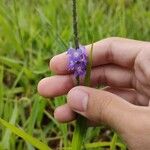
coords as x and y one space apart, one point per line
32 32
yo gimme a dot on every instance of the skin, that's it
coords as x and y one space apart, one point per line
123 66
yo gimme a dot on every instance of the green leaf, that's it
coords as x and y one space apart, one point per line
6 137
1 89
11 62
103 144
35 142
33 115
113 142
79 133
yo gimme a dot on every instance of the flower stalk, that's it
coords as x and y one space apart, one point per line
75 25
81 66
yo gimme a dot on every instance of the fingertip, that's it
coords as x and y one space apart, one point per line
47 87
64 114
55 85
56 114
52 63
58 64
40 87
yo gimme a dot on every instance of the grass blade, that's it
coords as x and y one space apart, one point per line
6 137
113 142
1 89
103 144
36 143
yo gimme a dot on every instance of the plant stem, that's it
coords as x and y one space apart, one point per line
75 24
80 127
75 29
79 133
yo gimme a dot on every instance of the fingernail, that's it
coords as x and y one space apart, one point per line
78 100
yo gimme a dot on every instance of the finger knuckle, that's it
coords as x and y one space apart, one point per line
110 42
142 62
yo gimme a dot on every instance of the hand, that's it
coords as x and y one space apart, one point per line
124 66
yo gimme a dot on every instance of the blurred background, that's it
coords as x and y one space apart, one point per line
32 32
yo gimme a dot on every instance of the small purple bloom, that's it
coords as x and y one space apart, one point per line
77 61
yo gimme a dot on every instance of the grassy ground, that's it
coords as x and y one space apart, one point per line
33 31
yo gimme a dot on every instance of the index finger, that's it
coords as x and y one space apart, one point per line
114 50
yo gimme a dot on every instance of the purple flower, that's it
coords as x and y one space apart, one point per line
77 61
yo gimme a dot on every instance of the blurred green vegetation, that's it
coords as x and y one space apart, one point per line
33 31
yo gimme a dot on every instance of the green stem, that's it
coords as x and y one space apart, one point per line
79 133
114 141
75 24
80 126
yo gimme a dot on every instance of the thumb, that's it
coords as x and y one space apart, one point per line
100 106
